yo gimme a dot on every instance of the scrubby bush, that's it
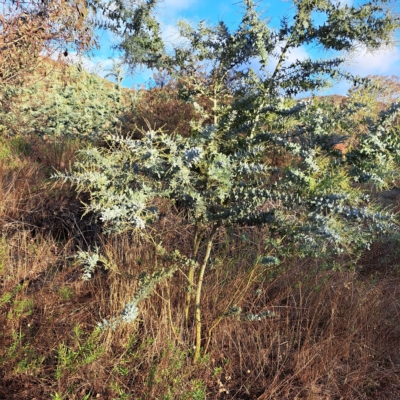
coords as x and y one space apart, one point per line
220 176
69 103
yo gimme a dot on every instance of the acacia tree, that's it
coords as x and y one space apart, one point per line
317 200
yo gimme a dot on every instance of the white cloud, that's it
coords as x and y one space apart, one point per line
383 62
299 53
170 34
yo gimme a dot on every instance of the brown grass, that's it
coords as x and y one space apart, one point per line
161 107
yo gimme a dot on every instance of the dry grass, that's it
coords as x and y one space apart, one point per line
336 337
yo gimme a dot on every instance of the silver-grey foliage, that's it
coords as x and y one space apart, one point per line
221 175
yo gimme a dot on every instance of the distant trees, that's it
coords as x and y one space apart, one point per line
29 29
378 95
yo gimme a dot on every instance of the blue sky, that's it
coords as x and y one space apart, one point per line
384 62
